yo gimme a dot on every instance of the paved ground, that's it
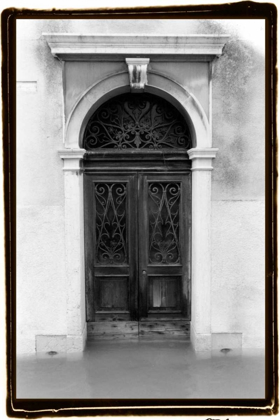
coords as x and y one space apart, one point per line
142 369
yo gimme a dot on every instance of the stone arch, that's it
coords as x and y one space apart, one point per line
118 83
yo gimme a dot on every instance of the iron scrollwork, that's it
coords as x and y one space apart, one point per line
164 209
111 244
141 121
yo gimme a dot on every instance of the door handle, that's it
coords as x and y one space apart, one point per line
144 272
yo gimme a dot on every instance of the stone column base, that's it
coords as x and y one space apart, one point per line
215 341
76 343
61 343
200 342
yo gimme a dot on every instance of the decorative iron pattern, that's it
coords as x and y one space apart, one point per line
164 209
111 244
137 121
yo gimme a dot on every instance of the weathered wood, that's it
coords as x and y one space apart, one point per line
107 329
89 245
164 316
111 317
112 292
136 160
114 337
164 328
132 329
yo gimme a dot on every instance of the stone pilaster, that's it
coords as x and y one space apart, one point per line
201 247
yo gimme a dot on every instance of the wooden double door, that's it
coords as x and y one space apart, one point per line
137 247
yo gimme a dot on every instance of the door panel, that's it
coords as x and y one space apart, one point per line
112 293
164 292
110 199
164 215
111 257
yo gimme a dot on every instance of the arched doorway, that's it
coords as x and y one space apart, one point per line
203 50
137 191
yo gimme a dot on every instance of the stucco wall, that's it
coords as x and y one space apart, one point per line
41 297
238 178
237 292
238 270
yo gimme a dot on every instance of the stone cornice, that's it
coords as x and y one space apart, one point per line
79 47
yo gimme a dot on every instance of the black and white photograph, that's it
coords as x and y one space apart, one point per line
140 209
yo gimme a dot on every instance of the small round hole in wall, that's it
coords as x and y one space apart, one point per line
52 353
225 350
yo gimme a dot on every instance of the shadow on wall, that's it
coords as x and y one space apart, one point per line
238 117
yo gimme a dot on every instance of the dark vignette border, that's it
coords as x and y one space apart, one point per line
41 408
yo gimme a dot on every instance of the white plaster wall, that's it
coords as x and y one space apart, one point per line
41 304
80 76
238 113
193 76
238 270
238 254
41 288
39 122
238 131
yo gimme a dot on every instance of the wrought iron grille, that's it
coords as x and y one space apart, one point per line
111 244
137 121
164 210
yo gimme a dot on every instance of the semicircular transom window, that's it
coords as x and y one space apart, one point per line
137 121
